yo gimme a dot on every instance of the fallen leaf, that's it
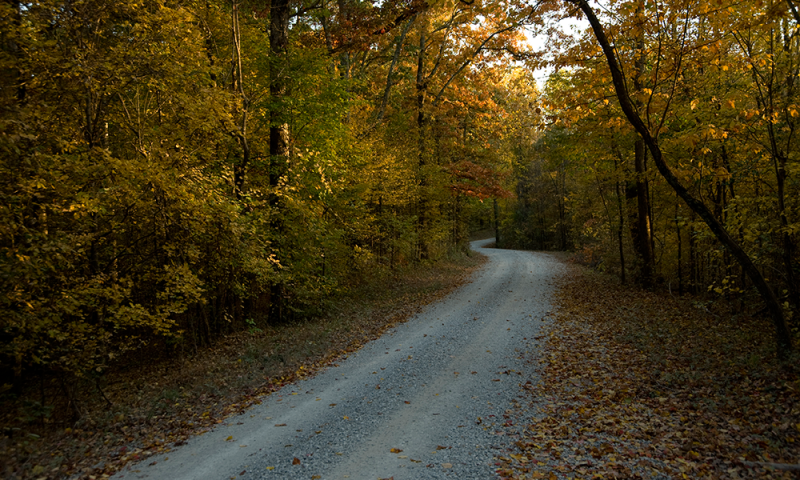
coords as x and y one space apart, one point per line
447 465
396 450
296 461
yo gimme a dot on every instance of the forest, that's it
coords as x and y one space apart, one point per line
174 171
667 153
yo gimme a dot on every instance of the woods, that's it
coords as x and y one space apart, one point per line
675 125
173 172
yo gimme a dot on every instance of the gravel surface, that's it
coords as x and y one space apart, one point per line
435 387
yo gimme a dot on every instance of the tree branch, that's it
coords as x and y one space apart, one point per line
783 337
469 60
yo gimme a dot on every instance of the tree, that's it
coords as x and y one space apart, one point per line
650 138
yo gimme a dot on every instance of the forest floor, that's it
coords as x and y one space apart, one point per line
161 404
639 384
632 384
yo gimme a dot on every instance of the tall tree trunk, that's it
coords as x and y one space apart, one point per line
345 62
693 269
237 87
421 94
788 245
640 216
562 209
783 338
680 251
642 238
389 76
12 85
279 130
620 227
496 224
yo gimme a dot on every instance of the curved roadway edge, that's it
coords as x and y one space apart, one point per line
435 387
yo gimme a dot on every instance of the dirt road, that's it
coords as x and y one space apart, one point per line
426 400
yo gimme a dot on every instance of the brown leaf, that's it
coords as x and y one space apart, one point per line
295 461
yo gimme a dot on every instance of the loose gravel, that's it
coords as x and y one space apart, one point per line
425 401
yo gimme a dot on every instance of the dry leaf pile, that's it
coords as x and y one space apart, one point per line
637 384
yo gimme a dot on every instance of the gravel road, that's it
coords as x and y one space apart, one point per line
424 401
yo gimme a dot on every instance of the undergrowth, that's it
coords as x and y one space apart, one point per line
128 415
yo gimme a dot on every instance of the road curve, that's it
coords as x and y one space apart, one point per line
426 400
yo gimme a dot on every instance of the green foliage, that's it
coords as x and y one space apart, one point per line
140 206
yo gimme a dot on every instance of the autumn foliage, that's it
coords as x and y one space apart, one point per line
175 172
713 86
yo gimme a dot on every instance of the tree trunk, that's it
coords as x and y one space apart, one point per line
788 245
642 239
783 337
278 131
496 224
421 92
237 86
640 216
12 79
680 251
620 228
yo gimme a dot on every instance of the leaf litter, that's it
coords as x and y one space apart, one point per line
637 384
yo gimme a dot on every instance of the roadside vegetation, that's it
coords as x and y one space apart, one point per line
144 407
638 384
